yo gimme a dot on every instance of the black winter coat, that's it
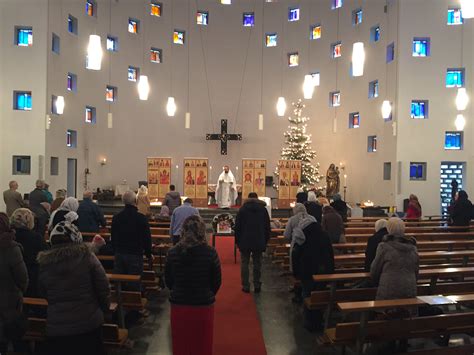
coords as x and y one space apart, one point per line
193 275
91 217
371 249
461 213
252 226
314 209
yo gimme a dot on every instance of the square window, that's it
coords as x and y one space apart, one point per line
417 171
419 109
55 43
72 82
202 18
455 78
72 25
133 25
373 89
336 4
455 17
335 99
293 59
178 37
156 9
156 55
21 165
371 144
293 14
390 52
133 73
375 33
54 166
71 138
315 32
387 171
91 8
453 140
354 120
357 17
421 47
336 49
22 100
271 39
112 43
110 93
90 116
316 78
248 19
24 36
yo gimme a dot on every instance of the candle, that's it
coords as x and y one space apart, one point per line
345 180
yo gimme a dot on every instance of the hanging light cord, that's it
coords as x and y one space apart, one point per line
189 53
337 61
261 66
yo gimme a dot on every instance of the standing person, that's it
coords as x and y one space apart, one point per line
252 231
172 199
332 223
143 202
226 190
23 222
67 212
12 198
461 211
48 194
131 238
60 197
179 216
91 217
313 207
414 208
340 206
374 241
299 212
74 283
37 196
13 276
193 275
41 218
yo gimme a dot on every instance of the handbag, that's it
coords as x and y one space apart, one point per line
15 324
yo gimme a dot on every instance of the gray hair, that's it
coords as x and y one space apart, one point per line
299 208
380 224
22 218
396 226
87 194
39 183
12 183
129 198
61 193
312 196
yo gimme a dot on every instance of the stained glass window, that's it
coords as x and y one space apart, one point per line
90 8
357 17
248 19
90 114
133 73
335 99
71 138
24 37
72 24
455 78
112 43
375 33
417 171
110 93
133 25
421 47
336 4
178 37
455 17
373 89
336 50
419 109
155 9
372 144
390 52
315 32
155 55
453 140
271 39
354 120
23 100
293 14
71 82
202 18
293 59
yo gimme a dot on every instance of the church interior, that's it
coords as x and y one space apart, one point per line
365 102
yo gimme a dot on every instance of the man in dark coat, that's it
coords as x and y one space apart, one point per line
252 231
91 217
461 212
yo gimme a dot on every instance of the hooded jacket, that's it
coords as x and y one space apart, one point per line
252 226
172 200
74 282
395 268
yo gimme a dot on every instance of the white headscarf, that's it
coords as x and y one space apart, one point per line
396 226
70 204
143 190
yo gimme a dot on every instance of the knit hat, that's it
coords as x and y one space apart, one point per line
64 233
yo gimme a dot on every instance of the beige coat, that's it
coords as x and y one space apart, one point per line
143 205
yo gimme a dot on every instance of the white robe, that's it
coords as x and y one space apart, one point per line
226 191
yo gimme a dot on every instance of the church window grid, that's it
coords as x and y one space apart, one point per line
293 14
271 39
156 9
111 93
133 25
336 49
421 47
90 114
315 32
336 4
357 17
418 171
71 82
374 89
419 109
375 33
372 144
293 59
455 77
354 120
22 101
91 8
335 99
454 17
112 43
24 36
450 171
133 73
72 25
178 37
202 18
453 140
156 55
248 19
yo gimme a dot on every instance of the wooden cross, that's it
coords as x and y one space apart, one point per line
224 137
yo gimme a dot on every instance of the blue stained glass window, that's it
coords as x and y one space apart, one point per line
357 17
421 47
354 120
293 14
373 89
133 73
372 144
453 140
455 17
336 4
390 52
375 33
248 19
72 24
202 18
23 100
271 39
417 171
112 44
455 78
419 109
24 37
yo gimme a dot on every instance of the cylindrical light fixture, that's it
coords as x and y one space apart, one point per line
386 109
187 120
94 53
467 8
358 59
308 87
460 122
143 87
60 105
226 2
260 122
462 99
171 107
281 106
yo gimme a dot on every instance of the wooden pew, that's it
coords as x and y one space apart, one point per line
409 230
360 238
118 280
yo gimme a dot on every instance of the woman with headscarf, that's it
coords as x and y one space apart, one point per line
299 212
414 208
164 214
74 283
193 275
67 212
143 202
374 241
14 281
461 211
23 222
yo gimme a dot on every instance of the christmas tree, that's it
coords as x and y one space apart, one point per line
298 147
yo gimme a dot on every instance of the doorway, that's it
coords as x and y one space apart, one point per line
450 171
71 177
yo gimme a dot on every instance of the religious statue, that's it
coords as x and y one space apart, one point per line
332 181
226 191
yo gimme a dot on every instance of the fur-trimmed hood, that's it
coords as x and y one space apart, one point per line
63 253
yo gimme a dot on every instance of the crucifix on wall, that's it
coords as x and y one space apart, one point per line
224 137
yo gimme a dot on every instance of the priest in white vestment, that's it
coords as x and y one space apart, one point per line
226 191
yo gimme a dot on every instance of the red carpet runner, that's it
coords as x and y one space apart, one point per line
237 328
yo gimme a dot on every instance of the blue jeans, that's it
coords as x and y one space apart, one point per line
130 265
